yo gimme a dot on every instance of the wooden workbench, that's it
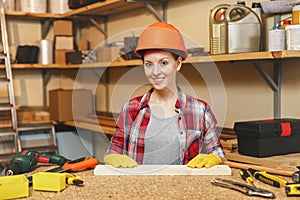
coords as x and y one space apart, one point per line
153 187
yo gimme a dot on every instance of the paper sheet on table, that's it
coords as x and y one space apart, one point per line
101 170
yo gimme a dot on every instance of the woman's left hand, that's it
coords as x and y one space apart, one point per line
204 160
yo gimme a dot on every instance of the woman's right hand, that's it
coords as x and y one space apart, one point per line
119 160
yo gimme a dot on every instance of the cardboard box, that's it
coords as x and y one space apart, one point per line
60 56
65 105
108 54
63 27
264 138
64 43
82 44
81 57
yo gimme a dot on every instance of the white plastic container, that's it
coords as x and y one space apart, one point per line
58 6
243 29
34 6
293 37
9 5
276 40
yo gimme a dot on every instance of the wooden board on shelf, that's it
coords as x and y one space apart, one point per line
108 7
281 161
198 59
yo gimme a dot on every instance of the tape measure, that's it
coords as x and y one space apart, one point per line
292 189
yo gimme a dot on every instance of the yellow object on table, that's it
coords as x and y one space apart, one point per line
49 181
16 186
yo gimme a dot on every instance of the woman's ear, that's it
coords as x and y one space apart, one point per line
179 61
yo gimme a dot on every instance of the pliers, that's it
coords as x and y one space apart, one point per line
244 188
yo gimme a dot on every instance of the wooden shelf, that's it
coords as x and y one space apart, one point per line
108 7
198 59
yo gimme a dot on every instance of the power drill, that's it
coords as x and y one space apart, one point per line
26 160
23 162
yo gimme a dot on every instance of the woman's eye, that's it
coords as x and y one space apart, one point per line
148 64
163 63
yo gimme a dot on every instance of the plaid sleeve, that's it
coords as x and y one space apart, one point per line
212 135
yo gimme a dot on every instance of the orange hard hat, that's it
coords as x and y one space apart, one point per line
162 35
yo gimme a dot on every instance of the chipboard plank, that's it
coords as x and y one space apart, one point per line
104 170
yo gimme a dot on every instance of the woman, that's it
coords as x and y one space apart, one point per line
164 126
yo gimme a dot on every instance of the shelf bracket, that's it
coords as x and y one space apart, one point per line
104 79
160 17
274 84
46 78
164 3
46 24
99 27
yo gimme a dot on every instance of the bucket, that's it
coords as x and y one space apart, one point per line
34 6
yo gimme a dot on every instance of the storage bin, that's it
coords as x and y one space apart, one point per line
16 186
49 181
264 138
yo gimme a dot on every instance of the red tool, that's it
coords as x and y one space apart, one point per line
77 165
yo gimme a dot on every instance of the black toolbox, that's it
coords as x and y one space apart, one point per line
264 138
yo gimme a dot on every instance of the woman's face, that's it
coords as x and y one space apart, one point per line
160 69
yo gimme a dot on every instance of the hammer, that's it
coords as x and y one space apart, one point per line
262 168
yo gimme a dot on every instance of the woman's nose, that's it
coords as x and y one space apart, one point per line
156 69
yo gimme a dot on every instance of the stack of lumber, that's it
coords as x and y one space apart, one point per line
228 140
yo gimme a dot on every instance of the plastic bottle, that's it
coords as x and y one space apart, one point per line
256 7
285 23
243 29
296 15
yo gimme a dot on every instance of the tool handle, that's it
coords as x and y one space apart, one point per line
246 176
268 178
80 164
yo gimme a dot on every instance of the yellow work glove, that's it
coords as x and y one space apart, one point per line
207 160
119 160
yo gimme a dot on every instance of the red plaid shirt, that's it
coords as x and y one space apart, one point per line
196 124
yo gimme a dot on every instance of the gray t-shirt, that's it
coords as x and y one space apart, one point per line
161 141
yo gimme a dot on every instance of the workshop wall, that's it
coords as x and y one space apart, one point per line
247 96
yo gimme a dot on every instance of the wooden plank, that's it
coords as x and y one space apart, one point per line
289 160
108 7
162 170
230 145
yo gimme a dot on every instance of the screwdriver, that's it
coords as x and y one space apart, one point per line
268 178
246 176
